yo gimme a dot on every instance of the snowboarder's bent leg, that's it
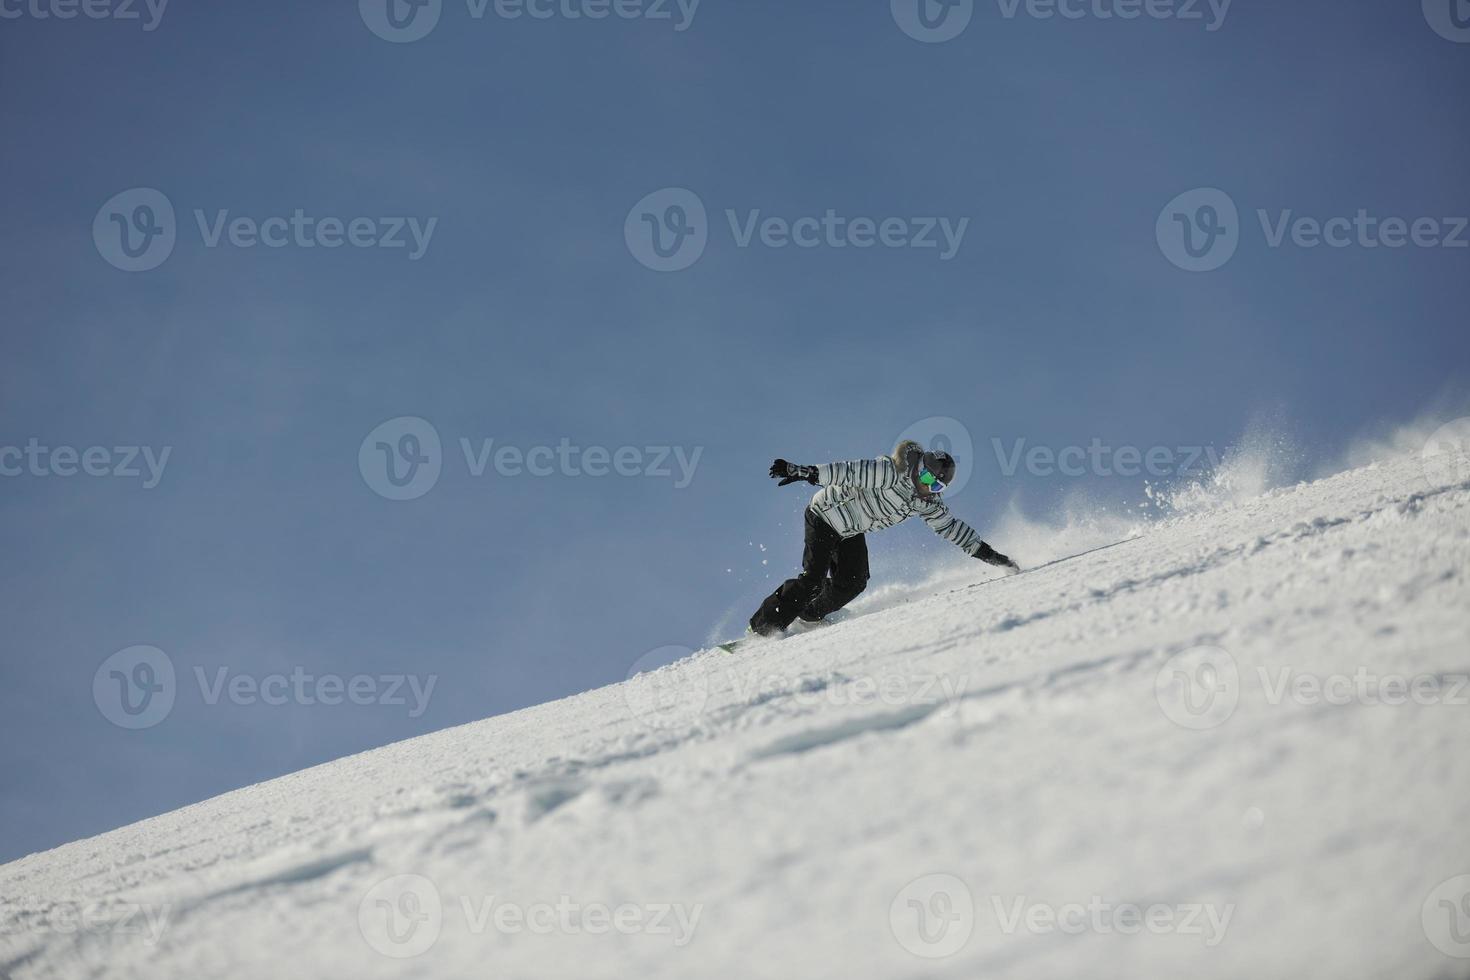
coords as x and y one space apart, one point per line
782 606
849 578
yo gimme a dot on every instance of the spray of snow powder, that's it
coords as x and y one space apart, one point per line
1266 459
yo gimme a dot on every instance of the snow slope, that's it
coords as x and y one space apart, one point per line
1097 768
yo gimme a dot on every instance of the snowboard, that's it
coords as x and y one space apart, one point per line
730 646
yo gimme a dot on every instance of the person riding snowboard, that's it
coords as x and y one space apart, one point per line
857 497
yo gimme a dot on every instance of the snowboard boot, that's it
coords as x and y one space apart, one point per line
762 629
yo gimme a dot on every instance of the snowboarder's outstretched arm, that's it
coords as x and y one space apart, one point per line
962 535
791 472
870 474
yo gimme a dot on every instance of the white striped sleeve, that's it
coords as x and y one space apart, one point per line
871 474
949 527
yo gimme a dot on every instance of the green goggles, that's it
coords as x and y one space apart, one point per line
931 481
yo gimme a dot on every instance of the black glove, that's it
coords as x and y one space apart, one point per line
990 556
792 473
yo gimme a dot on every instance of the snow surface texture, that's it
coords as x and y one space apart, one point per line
1232 745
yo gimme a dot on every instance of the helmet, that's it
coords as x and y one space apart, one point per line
941 465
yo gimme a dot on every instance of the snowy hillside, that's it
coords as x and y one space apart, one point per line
1235 745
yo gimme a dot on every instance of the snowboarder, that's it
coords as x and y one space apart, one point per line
857 497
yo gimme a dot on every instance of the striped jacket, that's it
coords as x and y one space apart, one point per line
872 494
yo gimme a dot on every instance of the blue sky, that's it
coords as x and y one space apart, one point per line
528 319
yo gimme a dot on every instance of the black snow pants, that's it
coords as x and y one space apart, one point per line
834 571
